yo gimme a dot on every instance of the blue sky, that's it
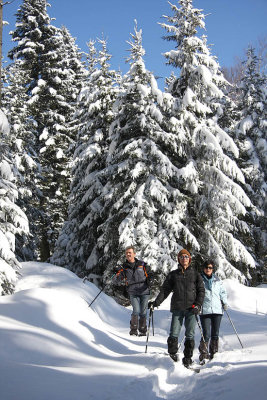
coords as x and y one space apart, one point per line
231 25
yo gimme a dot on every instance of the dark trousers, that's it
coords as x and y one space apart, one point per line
210 325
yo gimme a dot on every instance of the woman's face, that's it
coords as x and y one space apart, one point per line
208 270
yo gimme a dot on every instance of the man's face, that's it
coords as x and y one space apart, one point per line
130 254
184 260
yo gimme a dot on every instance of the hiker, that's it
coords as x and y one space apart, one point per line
215 301
137 276
188 294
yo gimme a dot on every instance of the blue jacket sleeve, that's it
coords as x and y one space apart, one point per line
223 294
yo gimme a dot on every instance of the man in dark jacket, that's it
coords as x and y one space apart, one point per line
188 294
137 276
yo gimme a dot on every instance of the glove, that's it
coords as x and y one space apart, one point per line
195 309
116 269
225 307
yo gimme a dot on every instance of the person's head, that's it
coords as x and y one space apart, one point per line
130 253
184 258
208 267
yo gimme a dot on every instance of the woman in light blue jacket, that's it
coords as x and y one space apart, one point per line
215 301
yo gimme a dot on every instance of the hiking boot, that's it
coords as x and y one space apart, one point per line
133 325
142 326
189 345
214 345
187 361
174 357
172 345
203 350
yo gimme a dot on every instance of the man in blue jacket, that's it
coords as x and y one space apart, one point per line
188 291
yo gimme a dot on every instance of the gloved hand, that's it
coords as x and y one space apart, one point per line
195 309
116 269
225 307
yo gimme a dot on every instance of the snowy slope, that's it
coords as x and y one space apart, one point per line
52 346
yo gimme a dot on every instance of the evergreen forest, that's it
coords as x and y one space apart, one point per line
93 160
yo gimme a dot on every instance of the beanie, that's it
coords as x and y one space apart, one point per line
184 251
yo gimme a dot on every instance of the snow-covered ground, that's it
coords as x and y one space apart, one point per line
53 346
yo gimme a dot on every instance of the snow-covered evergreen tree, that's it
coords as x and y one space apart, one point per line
213 181
53 83
68 234
142 202
22 143
76 246
77 75
253 146
12 219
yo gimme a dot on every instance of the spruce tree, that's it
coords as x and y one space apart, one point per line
253 147
22 143
144 208
53 83
12 219
212 179
76 246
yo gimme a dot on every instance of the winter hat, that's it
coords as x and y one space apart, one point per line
184 251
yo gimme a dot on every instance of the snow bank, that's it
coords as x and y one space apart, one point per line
52 345
247 299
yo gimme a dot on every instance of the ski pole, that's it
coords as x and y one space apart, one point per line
202 335
152 317
89 305
149 321
234 328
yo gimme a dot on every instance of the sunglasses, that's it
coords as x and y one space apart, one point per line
183 257
208 267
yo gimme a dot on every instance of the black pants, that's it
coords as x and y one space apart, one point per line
210 325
